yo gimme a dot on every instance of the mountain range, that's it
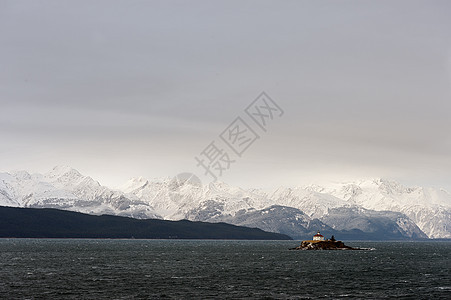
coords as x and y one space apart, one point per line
367 209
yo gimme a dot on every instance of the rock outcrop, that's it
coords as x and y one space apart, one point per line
323 245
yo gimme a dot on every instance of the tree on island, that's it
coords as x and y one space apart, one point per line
332 239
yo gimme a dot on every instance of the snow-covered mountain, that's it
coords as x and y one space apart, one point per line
371 221
65 188
190 201
375 208
278 211
276 218
308 199
429 208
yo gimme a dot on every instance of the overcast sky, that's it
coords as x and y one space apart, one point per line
118 89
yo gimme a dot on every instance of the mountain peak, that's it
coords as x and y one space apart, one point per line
61 170
23 175
133 184
65 175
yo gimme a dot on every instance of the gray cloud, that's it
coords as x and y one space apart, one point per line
143 86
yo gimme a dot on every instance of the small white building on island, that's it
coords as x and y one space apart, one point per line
318 237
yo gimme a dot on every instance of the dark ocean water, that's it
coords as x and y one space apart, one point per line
143 269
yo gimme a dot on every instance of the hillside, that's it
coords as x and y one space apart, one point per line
53 223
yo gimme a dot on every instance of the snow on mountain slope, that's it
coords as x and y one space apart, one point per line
389 194
429 208
378 222
25 189
276 218
315 204
174 202
65 188
168 200
7 196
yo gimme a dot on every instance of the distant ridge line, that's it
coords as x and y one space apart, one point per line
53 223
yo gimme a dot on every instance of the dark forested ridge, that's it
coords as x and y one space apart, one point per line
53 223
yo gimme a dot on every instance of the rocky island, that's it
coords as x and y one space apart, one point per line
319 243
